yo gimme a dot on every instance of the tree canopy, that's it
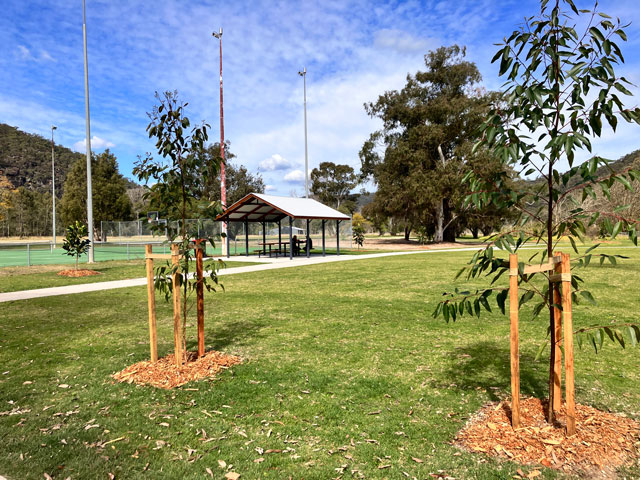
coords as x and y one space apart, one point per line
425 127
239 180
332 183
109 187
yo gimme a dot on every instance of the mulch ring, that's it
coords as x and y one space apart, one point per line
603 441
165 374
78 273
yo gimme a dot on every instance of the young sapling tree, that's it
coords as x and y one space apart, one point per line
75 243
561 86
178 178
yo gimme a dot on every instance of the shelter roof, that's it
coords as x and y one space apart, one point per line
258 207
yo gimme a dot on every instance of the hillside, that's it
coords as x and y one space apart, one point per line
25 160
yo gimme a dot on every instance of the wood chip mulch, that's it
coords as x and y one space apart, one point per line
165 374
78 273
603 441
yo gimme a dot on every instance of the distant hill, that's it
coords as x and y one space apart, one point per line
25 160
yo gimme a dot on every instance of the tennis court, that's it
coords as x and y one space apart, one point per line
42 253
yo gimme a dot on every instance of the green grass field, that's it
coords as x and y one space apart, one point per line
13 279
346 374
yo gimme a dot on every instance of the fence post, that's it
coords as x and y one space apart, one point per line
151 302
128 251
28 254
515 359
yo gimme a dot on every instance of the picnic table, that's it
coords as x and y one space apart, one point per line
280 251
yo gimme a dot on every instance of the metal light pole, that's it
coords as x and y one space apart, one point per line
223 178
53 184
88 133
303 74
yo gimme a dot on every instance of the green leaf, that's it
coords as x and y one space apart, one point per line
501 299
599 338
616 229
596 33
632 335
573 244
540 351
588 296
525 298
485 304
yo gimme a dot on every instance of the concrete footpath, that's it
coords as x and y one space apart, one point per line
270 264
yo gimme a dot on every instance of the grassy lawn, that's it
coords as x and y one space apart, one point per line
346 375
13 279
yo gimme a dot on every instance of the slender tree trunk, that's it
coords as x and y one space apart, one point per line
438 237
407 232
550 205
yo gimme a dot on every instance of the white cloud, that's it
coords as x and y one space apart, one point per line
97 143
401 41
294 176
24 52
269 188
275 162
44 55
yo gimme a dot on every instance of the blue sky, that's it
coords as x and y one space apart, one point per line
353 51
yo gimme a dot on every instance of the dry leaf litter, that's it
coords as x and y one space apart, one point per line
165 374
603 441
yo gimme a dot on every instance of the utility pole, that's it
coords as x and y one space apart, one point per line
223 178
303 74
88 140
53 185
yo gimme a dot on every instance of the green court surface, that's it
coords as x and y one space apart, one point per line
23 254
12 255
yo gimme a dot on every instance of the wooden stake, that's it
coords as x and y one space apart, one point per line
567 318
557 322
151 302
200 296
515 358
177 331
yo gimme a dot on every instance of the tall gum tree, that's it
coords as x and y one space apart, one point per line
424 124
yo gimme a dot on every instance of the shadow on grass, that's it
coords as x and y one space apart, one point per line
231 333
486 365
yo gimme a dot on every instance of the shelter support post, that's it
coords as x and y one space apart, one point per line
515 358
264 238
308 238
228 240
279 235
337 237
323 242
290 238
246 238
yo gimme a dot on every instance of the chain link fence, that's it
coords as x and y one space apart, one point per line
126 240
